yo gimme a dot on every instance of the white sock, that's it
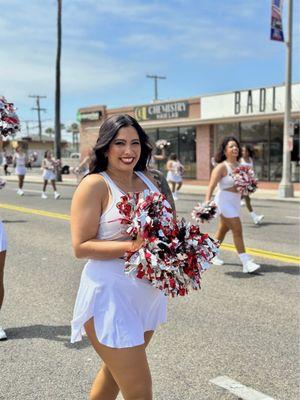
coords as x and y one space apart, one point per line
244 257
253 215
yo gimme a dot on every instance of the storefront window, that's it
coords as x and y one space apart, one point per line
224 130
276 139
256 135
187 151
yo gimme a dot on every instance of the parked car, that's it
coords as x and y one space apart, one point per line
67 163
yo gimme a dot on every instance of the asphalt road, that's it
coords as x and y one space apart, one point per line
245 327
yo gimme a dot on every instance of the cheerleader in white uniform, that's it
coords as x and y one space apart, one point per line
228 200
247 159
20 160
119 313
49 169
3 247
174 176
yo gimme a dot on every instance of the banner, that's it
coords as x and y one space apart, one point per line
276 21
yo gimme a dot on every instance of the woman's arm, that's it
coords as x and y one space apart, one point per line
216 175
86 209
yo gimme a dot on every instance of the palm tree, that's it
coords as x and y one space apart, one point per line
57 148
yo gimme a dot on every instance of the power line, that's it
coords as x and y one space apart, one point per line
155 78
39 109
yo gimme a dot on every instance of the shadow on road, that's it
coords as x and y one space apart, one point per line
18 221
59 333
265 269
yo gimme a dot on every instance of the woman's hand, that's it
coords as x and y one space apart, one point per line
136 244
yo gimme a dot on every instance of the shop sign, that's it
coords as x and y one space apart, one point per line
162 111
255 100
89 116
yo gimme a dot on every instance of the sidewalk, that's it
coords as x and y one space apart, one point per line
266 191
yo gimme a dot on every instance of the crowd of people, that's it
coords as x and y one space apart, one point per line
120 313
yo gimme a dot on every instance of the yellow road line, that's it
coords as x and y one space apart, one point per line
255 252
36 212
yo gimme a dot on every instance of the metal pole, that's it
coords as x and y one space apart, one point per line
155 89
57 138
286 187
39 117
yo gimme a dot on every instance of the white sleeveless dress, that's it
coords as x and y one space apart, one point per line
123 306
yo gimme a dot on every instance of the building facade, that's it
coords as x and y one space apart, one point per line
194 128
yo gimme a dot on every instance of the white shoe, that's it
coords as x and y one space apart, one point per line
250 266
243 203
20 192
56 195
44 196
175 197
217 261
258 219
2 334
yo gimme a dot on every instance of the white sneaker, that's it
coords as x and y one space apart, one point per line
175 197
2 334
243 203
56 195
20 192
44 196
258 219
217 261
250 266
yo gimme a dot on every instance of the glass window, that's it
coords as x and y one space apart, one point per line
254 132
171 135
224 130
187 151
276 143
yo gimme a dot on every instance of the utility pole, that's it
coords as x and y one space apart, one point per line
39 109
57 142
286 188
155 78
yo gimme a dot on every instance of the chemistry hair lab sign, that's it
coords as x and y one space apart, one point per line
158 111
252 102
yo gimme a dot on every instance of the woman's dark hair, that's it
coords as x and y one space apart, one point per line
220 155
249 149
108 131
173 157
46 152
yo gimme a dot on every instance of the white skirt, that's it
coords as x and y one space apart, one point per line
49 175
3 238
20 170
229 203
123 307
173 178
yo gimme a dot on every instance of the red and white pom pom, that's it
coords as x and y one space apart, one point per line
204 212
244 180
174 253
9 121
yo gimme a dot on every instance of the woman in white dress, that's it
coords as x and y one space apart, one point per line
247 159
3 246
228 200
174 176
20 160
49 174
119 313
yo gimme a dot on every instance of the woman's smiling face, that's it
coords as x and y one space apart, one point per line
231 149
125 150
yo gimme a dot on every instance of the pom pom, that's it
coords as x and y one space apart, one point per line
204 212
244 180
174 253
9 121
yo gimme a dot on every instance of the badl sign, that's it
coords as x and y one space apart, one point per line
255 101
162 111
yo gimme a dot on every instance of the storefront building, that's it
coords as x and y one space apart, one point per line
194 128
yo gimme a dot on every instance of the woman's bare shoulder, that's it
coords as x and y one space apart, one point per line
93 183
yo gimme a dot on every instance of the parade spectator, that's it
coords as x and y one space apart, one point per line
175 172
247 159
20 161
3 246
228 200
5 159
49 166
118 313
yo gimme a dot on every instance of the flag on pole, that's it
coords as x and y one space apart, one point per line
276 21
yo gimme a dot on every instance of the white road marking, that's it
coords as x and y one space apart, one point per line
289 216
239 390
28 190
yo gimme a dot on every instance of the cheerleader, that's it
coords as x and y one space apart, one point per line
174 177
228 200
49 166
20 160
247 159
3 246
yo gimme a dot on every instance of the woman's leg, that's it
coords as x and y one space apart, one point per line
248 203
222 229
179 184
2 263
21 181
45 185
53 185
235 226
125 368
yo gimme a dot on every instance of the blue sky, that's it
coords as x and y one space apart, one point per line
109 46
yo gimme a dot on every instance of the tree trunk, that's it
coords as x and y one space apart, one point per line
57 142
